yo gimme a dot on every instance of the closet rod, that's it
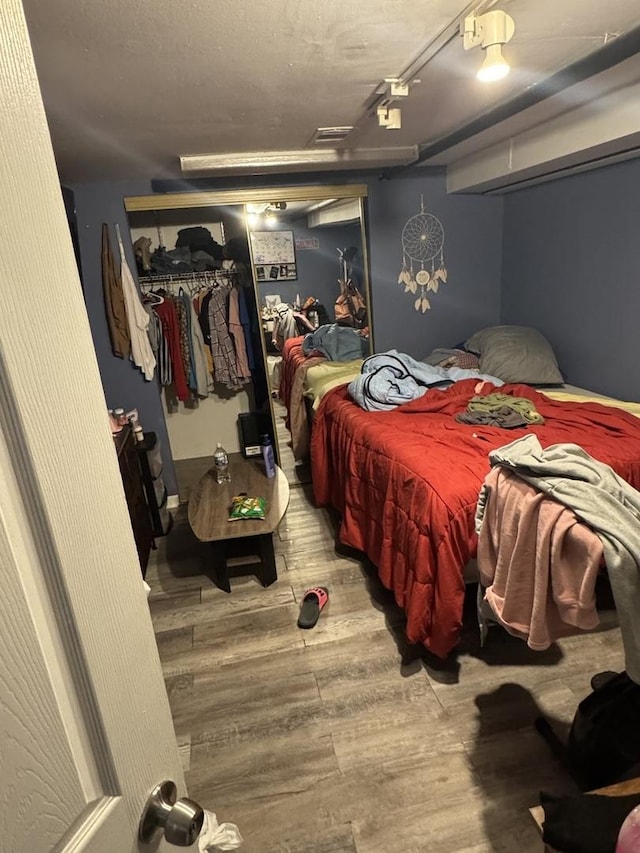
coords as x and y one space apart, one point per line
200 277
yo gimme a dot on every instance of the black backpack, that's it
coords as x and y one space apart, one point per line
604 741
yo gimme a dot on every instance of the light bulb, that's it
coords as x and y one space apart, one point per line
270 219
494 67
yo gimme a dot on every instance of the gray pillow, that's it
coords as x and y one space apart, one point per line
516 354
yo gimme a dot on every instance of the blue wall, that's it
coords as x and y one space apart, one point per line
469 300
571 269
124 385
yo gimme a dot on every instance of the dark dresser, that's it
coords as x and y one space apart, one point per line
131 472
150 459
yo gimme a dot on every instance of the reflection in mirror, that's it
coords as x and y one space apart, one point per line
194 271
308 262
298 248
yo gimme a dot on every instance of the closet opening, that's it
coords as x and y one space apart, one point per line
263 254
194 270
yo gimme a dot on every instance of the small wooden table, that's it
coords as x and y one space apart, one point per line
209 507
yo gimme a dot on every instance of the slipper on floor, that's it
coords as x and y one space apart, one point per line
312 603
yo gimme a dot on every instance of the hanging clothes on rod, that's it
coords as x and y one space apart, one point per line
171 333
137 318
204 377
213 301
197 379
239 313
237 333
208 323
200 304
114 300
185 345
225 362
192 281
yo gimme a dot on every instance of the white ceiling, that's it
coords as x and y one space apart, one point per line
130 86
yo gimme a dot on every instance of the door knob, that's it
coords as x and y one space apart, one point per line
180 820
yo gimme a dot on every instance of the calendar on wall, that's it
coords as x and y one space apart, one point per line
274 255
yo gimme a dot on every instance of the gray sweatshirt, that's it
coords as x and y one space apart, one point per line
605 502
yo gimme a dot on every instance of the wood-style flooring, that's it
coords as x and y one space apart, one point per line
344 738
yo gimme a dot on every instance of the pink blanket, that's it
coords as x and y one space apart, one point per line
538 561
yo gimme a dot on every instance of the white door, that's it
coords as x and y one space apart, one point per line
85 726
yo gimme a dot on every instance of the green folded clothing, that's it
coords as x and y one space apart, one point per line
243 506
492 402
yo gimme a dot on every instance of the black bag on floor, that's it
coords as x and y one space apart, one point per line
604 741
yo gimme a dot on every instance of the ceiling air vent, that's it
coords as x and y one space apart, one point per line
331 135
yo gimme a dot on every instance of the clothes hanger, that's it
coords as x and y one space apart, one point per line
153 298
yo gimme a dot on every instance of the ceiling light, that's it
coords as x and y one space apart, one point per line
264 214
262 162
494 67
489 31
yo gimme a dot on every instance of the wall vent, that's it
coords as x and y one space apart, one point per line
331 135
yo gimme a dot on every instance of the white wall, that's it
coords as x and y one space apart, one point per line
195 432
602 127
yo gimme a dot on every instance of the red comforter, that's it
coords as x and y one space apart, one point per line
294 372
406 483
292 358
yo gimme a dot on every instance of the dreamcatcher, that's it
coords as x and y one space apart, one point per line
423 244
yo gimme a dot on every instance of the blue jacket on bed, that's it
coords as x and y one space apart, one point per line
389 379
337 343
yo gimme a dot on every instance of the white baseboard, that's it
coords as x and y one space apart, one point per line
173 501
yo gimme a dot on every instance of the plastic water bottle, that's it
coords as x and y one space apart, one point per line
267 455
221 463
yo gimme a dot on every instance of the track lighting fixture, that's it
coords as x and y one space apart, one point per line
393 89
390 117
489 31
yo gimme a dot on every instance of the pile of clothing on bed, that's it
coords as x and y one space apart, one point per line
497 354
547 520
336 343
389 379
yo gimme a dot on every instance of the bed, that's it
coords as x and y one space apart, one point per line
406 484
303 382
294 368
292 359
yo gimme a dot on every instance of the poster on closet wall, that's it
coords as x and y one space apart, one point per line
274 255
307 243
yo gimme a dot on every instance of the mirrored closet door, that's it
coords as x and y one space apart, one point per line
262 251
